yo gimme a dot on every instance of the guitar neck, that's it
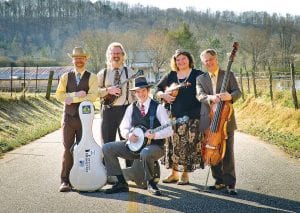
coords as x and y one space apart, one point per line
170 89
157 129
140 72
226 77
124 82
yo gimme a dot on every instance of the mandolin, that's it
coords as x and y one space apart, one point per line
173 89
109 99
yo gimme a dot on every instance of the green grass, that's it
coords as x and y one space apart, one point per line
23 120
278 124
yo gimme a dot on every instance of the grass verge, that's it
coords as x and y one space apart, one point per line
23 120
277 124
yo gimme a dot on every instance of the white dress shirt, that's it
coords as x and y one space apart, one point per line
161 115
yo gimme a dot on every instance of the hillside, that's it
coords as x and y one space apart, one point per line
23 120
42 32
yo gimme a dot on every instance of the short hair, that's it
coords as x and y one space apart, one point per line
181 52
212 52
108 52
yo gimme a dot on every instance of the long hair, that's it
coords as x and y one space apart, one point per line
181 52
108 53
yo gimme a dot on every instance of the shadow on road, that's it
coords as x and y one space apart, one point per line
194 199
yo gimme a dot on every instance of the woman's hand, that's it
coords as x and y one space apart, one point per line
167 98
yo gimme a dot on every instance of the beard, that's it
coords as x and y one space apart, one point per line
79 64
116 60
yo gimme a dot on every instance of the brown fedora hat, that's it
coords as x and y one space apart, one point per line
78 52
140 82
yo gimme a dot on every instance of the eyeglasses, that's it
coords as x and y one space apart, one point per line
116 53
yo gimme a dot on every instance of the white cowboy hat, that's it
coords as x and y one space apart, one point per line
78 52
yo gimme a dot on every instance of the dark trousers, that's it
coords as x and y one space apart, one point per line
224 172
71 129
148 156
111 120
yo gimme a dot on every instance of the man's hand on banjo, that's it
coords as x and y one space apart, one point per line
133 138
149 135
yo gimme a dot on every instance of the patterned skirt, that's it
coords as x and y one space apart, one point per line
183 150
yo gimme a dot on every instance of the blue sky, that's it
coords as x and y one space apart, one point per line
279 6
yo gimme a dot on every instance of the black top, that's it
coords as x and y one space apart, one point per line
186 102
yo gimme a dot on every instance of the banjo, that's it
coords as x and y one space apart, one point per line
139 131
88 172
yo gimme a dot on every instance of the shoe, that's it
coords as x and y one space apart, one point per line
118 187
171 179
111 180
217 186
154 190
183 181
231 190
65 187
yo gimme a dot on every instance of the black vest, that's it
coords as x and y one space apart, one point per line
73 87
138 119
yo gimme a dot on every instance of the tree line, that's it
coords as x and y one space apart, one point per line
43 31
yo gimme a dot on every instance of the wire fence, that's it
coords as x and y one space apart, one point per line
31 79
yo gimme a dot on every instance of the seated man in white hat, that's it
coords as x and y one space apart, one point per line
147 113
73 88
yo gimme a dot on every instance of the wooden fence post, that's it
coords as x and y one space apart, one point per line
294 95
248 82
24 81
49 84
271 84
241 83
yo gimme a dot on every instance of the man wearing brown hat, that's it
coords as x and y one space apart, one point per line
147 113
73 88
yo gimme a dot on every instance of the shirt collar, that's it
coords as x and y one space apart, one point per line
81 74
120 68
215 73
146 103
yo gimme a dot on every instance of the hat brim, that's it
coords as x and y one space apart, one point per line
78 55
140 87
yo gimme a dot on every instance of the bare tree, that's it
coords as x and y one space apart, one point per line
268 59
287 37
159 49
255 43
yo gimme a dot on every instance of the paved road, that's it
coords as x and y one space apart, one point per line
268 181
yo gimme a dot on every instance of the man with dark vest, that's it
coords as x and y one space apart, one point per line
147 113
73 88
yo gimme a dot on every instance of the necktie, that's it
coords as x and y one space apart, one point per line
116 77
142 109
77 78
214 83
